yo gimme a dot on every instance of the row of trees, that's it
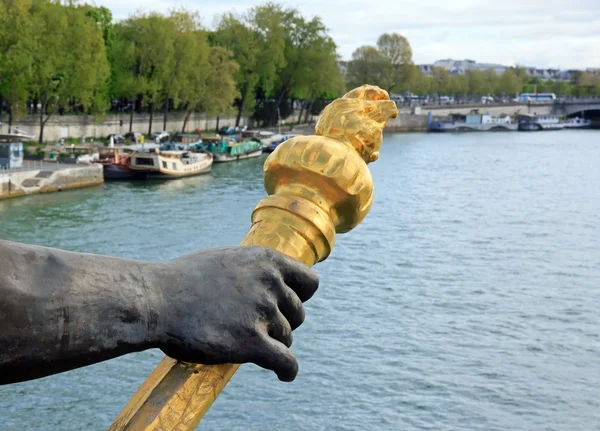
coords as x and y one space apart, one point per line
61 56
58 56
389 64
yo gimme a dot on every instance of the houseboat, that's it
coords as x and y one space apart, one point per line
577 123
531 123
226 149
473 122
170 164
115 160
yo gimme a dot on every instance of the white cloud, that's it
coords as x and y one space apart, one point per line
549 33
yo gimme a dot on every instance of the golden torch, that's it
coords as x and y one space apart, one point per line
318 185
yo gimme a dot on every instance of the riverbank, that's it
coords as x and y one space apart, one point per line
47 178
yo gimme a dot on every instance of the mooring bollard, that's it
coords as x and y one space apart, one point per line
318 186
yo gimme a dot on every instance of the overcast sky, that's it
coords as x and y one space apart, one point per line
539 33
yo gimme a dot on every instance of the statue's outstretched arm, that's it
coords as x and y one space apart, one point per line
61 310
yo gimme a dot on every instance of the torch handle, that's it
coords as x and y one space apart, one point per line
177 395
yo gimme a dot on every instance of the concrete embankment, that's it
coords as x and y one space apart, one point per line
49 178
76 126
407 123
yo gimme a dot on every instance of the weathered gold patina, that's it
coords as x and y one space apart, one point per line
318 185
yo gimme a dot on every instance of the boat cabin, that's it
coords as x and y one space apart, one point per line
540 119
186 138
486 119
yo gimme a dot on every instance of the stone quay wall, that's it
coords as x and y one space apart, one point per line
76 126
50 178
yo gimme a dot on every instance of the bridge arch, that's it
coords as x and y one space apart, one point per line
590 114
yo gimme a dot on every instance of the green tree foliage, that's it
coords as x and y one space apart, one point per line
257 43
368 66
218 89
153 38
308 51
509 83
398 52
127 81
69 60
389 65
66 56
15 55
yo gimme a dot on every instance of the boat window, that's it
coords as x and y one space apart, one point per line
3 151
164 164
174 166
144 161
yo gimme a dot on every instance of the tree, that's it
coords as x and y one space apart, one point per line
307 47
459 85
476 83
508 83
440 81
126 79
256 40
15 55
190 63
396 49
69 60
153 39
369 66
522 76
220 83
561 88
103 18
419 82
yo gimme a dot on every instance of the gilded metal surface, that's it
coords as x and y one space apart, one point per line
317 185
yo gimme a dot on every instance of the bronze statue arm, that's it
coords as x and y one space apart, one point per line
61 310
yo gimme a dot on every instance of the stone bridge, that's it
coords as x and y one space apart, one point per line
588 108
494 109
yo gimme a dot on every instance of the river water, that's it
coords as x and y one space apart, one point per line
467 300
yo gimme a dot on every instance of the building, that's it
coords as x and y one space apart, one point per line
459 67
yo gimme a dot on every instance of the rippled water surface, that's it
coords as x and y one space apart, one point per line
469 299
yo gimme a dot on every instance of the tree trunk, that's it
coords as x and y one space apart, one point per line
301 112
308 111
42 122
10 117
242 103
278 101
217 128
185 120
151 115
166 111
131 116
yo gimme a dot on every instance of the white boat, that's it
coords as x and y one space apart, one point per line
472 123
577 123
530 123
170 164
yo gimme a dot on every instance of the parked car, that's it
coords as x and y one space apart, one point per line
117 139
134 136
160 136
226 131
